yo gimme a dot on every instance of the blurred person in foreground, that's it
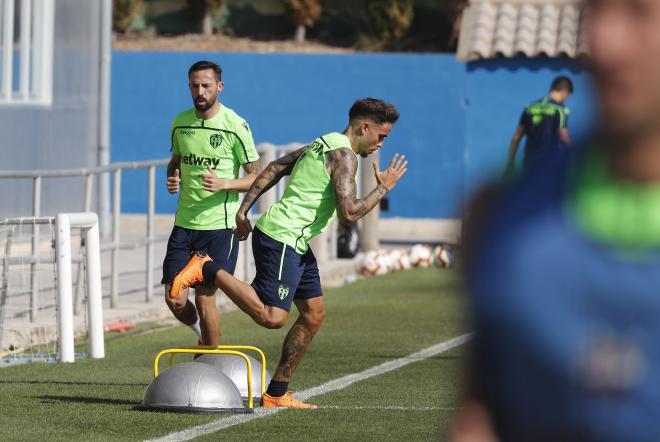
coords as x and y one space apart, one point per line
563 267
544 124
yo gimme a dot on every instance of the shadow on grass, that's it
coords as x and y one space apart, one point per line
80 383
50 399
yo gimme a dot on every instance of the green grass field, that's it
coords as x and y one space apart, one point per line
367 323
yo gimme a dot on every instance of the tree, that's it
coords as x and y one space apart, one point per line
457 8
390 19
208 10
124 13
303 14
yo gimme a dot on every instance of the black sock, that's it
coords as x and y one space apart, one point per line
277 388
209 270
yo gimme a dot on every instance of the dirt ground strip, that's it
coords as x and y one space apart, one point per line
217 43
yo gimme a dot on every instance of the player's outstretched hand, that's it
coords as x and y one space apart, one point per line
173 182
243 227
210 180
390 176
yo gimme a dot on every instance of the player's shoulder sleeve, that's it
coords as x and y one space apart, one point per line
181 120
244 147
562 117
334 141
174 142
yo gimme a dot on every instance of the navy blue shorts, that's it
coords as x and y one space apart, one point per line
220 245
283 274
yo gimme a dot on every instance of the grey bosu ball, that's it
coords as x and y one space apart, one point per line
236 369
193 387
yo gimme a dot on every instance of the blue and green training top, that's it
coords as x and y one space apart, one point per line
542 120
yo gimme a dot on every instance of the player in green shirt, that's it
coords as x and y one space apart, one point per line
210 143
321 186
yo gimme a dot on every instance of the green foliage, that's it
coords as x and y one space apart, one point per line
303 12
125 13
214 5
213 14
221 18
390 19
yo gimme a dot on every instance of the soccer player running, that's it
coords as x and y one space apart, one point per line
544 124
321 186
210 143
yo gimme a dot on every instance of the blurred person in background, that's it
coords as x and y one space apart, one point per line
563 266
544 124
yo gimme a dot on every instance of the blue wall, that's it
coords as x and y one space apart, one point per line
287 98
455 127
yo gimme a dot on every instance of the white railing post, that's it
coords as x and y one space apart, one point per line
332 246
116 213
87 206
151 209
34 278
369 223
267 199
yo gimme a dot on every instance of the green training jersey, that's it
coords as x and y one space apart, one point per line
308 204
223 142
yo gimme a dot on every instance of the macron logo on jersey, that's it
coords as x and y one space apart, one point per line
200 161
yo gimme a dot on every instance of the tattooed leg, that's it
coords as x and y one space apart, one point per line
299 337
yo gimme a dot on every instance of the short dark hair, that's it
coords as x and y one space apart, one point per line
374 109
562 83
203 65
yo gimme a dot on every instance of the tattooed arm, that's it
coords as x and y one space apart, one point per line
266 179
212 183
343 164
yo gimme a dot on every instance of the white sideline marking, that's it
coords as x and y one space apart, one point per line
305 395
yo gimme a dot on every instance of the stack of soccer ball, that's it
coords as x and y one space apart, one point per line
395 260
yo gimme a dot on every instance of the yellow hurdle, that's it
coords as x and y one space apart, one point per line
221 350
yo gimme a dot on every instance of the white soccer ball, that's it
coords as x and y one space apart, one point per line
399 260
369 265
404 261
384 262
443 256
421 255
395 254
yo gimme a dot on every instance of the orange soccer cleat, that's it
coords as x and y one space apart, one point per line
287 401
190 275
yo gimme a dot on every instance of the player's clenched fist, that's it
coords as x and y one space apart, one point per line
173 182
394 171
243 226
